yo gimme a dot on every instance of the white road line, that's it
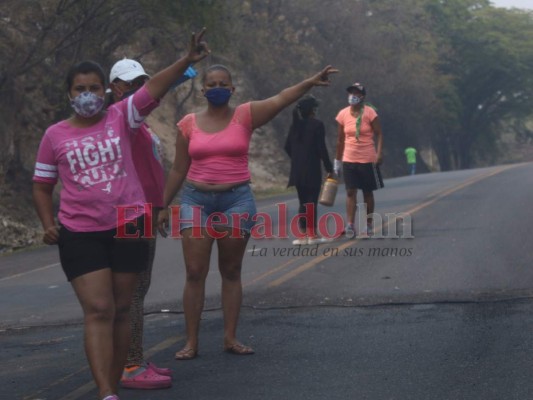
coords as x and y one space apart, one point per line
29 272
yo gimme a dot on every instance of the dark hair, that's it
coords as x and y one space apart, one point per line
301 113
85 67
306 106
215 67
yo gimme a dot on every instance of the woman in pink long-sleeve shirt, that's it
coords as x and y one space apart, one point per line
91 154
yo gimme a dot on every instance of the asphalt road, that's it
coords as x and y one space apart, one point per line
445 314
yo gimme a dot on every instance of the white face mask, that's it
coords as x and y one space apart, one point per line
87 104
353 100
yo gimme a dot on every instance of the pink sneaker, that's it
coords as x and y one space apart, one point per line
144 378
158 370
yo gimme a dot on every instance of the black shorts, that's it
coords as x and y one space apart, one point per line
364 176
84 252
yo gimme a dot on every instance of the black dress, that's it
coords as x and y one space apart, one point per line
306 150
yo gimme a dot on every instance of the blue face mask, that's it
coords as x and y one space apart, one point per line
218 96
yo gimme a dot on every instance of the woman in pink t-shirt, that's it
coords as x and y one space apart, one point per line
358 124
216 203
90 153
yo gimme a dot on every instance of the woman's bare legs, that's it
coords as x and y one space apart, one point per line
351 205
105 298
230 256
368 198
197 254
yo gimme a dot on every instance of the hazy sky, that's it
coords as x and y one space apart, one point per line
513 3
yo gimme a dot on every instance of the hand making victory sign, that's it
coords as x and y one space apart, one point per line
160 83
198 48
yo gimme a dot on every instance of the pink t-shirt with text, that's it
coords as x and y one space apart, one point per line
219 157
362 150
95 165
148 159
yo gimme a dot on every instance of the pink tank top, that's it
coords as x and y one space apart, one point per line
219 157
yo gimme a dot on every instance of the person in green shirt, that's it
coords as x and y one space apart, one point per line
410 153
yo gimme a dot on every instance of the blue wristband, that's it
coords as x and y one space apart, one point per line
189 73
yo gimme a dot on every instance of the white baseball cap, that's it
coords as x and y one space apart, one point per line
127 70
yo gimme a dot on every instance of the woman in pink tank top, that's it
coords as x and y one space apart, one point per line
211 164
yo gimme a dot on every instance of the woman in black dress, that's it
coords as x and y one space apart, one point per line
306 147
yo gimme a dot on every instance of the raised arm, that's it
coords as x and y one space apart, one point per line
264 110
161 82
175 179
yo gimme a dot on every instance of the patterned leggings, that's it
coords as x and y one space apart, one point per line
135 352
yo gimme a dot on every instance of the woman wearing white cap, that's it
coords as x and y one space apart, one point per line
359 156
126 77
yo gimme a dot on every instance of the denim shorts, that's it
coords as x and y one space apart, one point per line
233 208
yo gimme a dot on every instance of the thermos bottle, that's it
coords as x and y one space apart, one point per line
328 192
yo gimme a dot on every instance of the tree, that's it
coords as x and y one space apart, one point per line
491 62
40 40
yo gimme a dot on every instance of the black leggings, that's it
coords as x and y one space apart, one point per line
307 194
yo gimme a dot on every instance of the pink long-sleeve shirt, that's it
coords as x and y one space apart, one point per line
95 165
